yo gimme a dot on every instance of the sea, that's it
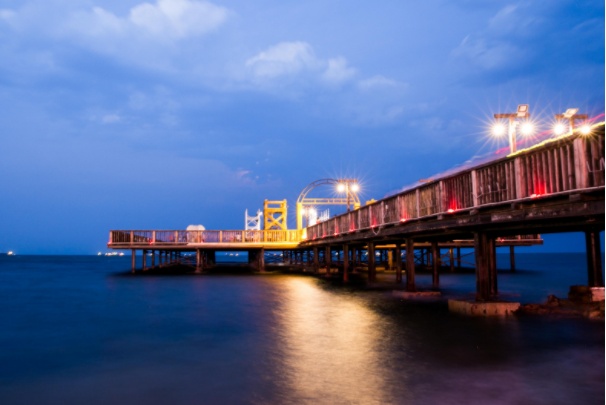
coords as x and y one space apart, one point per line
84 330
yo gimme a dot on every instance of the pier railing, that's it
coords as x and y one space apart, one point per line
574 162
201 237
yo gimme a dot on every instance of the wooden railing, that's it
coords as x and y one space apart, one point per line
574 162
201 237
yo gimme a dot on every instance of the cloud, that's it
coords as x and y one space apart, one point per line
166 20
298 58
110 119
380 82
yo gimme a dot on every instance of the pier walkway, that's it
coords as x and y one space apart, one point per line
556 186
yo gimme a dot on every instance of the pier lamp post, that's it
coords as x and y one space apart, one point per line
571 115
499 129
347 186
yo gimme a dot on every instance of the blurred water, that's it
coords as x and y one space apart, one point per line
82 330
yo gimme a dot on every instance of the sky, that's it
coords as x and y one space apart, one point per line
161 114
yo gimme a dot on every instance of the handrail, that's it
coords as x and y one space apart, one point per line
163 237
575 162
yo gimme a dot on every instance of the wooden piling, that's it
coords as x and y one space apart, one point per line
354 251
144 257
451 256
435 251
398 261
410 265
492 246
316 261
482 266
594 257
261 260
372 271
345 263
133 261
328 259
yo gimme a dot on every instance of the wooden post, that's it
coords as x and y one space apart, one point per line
353 259
327 259
390 265
512 258
261 259
144 256
372 271
482 266
435 251
398 260
198 261
153 252
492 245
345 262
316 261
133 261
474 188
451 254
410 265
594 257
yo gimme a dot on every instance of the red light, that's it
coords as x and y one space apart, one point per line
535 195
403 220
336 234
450 211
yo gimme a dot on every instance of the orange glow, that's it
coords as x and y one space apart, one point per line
403 220
450 211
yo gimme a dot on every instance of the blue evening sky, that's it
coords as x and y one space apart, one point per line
131 114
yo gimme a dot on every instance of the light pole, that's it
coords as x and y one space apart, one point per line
570 115
527 128
348 185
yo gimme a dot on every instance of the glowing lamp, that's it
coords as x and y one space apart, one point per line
585 129
498 129
341 187
403 220
559 129
450 210
355 188
527 128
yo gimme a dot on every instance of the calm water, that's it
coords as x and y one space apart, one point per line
81 330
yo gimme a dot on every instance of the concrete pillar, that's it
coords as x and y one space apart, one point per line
133 261
410 265
492 246
594 258
372 271
345 263
327 259
435 252
398 263
482 256
512 259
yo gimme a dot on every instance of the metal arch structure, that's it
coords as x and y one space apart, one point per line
302 201
252 223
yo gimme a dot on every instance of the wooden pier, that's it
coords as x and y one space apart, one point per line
557 186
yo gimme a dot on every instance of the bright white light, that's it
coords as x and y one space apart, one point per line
559 129
355 188
341 187
498 129
585 129
527 128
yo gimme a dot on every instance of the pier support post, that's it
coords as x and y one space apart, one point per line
451 254
198 261
144 257
435 252
512 258
211 257
492 246
410 265
133 261
372 271
398 259
327 259
153 252
594 257
261 259
345 263
482 254
353 259
316 260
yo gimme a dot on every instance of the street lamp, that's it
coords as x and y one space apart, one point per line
499 129
347 185
571 115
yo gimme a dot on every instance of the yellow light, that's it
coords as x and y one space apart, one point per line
585 129
527 128
559 129
498 129
341 187
355 188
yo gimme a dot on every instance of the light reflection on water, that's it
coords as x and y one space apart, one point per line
81 330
